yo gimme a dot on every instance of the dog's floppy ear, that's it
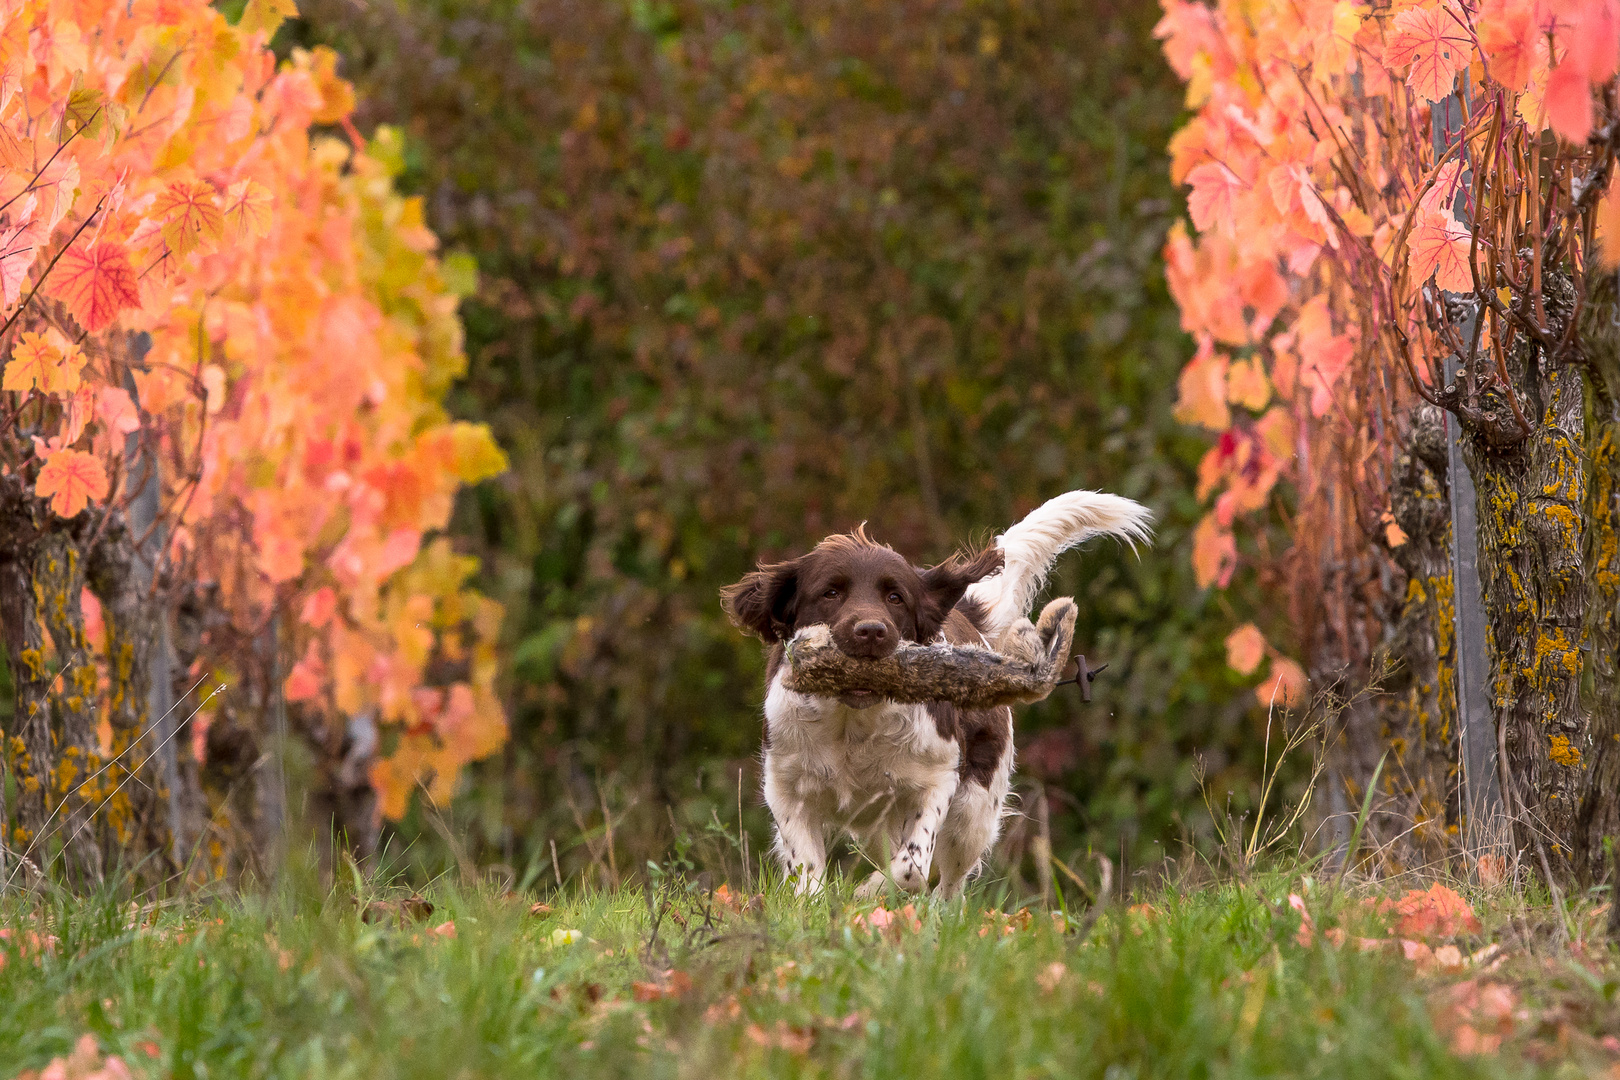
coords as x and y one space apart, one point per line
943 586
765 602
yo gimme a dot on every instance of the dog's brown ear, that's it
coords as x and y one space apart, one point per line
765 602
944 585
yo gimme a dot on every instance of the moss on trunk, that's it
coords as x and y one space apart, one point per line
1531 505
1599 815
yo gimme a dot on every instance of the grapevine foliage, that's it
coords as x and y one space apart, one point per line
1325 231
161 173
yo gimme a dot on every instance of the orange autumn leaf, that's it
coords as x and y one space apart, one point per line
1569 101
1433 44
1247 385
1507 38
1202 400
1214 555
1439 246
46 362
1245 648
247 209
189 215
1608 225
1213 201
307 677
71 480
96 282
1286 686
265 16
319 607
337 96
1277 432
1324 354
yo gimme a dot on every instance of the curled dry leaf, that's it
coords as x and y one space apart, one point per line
739 903
1492 871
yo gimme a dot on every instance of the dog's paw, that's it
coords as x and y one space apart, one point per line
875 885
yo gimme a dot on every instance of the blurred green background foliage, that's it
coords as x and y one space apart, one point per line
752 272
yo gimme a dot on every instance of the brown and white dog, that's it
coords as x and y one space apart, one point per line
926 782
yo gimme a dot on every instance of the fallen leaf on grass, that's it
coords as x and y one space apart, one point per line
85 1063
1049 977
794 1039
1363 944
1474 1016
591 992
882 921
728 1008
1021 919
29 944
738 903
1307 926
446 929
284 959
399 912
1435 912
1492 870
1421 956
668 984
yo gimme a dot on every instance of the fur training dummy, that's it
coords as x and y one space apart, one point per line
1024 666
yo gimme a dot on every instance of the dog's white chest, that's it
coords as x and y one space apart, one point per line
853 760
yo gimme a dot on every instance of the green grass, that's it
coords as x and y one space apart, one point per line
1209 984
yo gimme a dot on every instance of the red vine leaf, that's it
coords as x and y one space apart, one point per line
1434 44
96 282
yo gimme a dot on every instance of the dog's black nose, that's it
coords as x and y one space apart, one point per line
871 632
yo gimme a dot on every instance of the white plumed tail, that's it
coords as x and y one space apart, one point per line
1033 545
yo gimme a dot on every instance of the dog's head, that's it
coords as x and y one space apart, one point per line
865 592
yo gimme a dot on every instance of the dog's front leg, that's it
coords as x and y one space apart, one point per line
914 853
801 845
801 848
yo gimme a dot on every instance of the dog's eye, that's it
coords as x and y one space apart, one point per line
830 594
896 598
